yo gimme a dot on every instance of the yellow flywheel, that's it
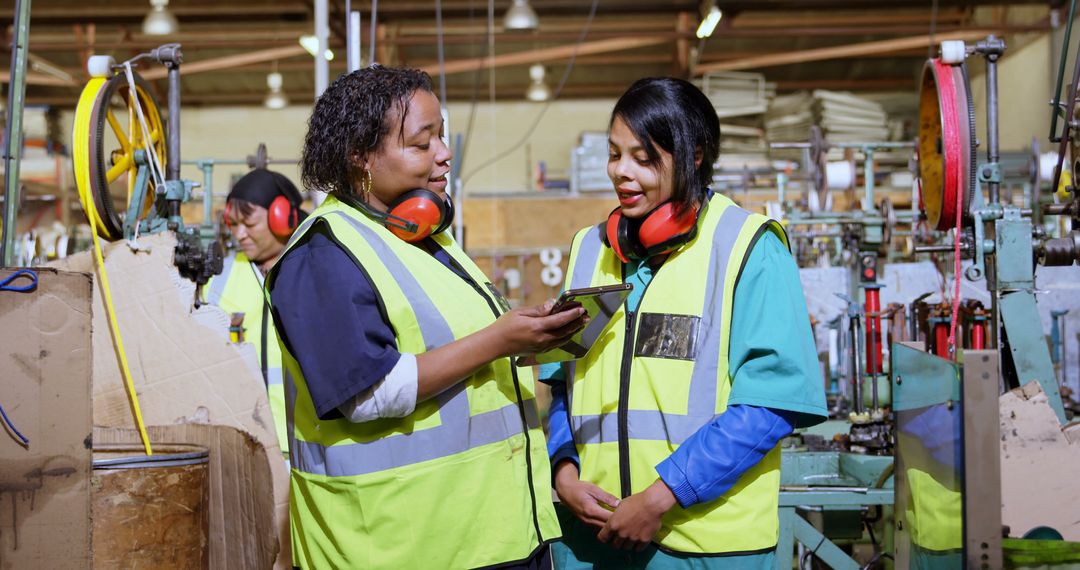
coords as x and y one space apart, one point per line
105 137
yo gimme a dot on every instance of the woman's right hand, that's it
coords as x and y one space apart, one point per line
530 330
591 504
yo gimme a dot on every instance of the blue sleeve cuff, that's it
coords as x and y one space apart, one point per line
676 480
715 457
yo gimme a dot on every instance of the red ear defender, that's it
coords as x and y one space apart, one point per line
282 217
422 207
617 235
225 215
662 231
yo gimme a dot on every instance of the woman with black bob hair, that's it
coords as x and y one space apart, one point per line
414 438
664 438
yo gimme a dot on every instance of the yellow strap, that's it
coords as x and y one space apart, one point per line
91 215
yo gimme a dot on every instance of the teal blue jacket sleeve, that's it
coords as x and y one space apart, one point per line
777 382
560 439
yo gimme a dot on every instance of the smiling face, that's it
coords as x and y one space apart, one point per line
640 186
412 155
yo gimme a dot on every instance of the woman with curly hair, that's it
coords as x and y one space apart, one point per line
414 438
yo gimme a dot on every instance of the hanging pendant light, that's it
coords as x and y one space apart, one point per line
160 21
521 17
275 99
538 90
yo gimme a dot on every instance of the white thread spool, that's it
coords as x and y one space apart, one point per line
512 278
840 174
550 256
100 65
953 52
551 275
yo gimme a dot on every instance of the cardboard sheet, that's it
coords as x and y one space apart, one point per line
1039 462
183 366
45 370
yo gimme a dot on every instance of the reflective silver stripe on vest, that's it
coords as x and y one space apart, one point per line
703 379
458 432
586 259
701 407
274 376
641 424
407 449
217 285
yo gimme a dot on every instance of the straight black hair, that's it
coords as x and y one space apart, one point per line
349 121
676 116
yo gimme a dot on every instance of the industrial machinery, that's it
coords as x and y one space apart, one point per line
127 161
1003 241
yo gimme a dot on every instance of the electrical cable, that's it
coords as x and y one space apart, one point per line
473 100
933 29
6 285
12 427
442 55
547 104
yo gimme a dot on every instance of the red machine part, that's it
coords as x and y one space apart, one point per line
873 330
946 142
941 339
978 335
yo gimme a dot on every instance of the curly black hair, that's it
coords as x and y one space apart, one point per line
350 119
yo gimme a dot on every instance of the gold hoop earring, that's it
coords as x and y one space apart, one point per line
365 183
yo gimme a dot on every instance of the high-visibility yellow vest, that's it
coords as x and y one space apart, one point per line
463 481
239 289
656 376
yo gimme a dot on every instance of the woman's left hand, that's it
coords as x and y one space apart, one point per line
637 519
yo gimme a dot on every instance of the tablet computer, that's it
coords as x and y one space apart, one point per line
600 303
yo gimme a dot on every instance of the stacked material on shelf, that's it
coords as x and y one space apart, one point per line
843 117
737 94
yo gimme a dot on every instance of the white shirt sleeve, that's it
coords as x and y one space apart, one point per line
392 397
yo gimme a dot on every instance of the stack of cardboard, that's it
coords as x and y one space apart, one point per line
843 117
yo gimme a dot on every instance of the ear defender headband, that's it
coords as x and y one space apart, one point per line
282 215
414 215
661 231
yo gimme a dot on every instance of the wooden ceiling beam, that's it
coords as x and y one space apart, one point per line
839 52
865 18
545 54
227 62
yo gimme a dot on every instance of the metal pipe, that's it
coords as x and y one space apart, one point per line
20 47
934 248
208 192
354 41
322 33
868 179
992 117
173 167
856 369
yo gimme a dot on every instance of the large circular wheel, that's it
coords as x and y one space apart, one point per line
106 135
946 142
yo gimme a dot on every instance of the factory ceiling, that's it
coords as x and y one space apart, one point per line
231 45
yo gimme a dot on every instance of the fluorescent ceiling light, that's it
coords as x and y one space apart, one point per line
311 44
708 25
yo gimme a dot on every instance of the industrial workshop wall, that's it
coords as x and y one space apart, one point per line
1025 86
234 132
